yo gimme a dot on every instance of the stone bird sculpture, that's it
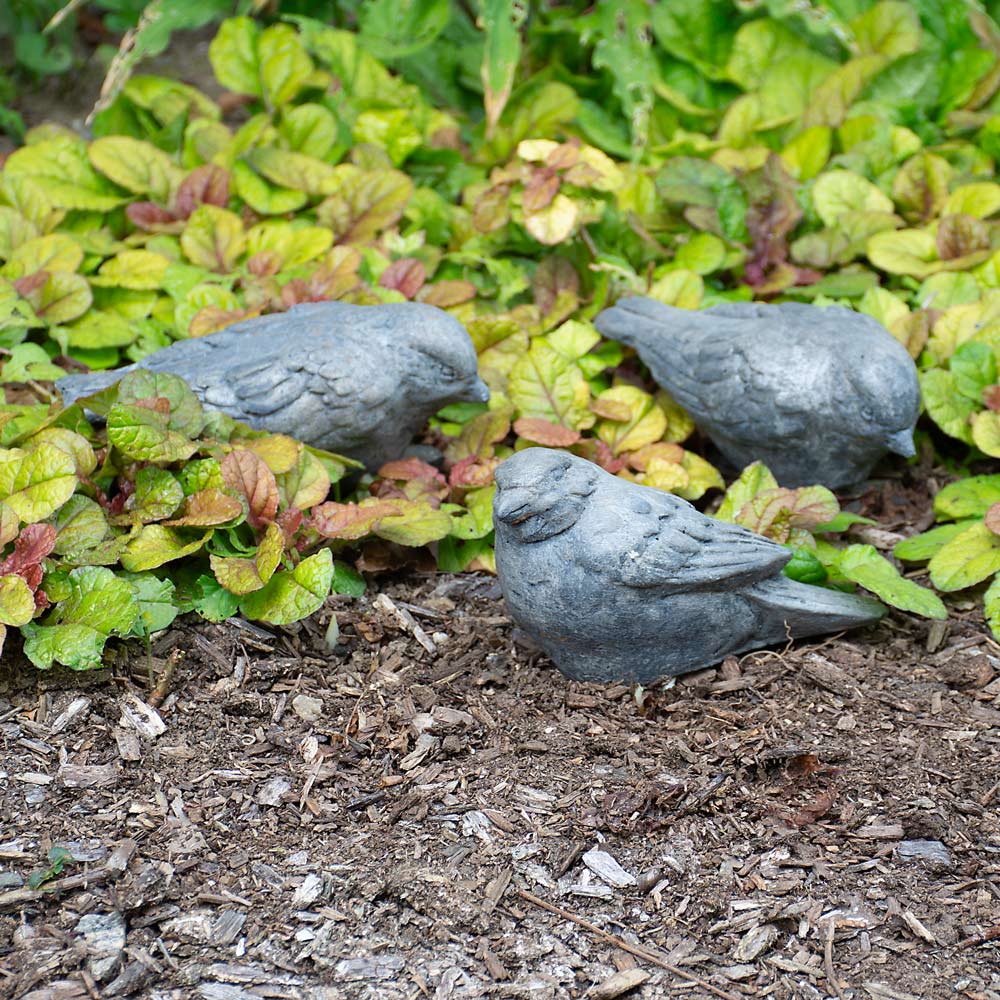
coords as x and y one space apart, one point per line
624 582
818 395
356 380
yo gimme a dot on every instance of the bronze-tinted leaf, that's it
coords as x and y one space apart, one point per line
545 432
247 475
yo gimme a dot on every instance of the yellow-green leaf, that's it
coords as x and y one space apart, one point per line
136 165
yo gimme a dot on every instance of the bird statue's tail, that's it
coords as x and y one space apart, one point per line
810 610
73 387
641 321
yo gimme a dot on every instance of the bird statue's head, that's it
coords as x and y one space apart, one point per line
542 492
886 392
440 359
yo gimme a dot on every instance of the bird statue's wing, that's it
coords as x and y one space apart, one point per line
671 546
724 365
273 382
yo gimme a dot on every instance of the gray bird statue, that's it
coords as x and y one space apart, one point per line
818 395
623 582
356 380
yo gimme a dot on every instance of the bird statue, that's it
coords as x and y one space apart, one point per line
617 581
818 395
356 380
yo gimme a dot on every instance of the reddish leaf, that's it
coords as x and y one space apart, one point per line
406 276
545 432
410 468
289 521
472 472
350 521
445 294
958 235
818 806
565 155
31 547
248 475
150 216
205 185
540 191
640 459
552 276
31 283
209 319
596 451
993 519
773 214
991 397
264 263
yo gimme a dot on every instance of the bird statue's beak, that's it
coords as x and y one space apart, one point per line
509 503
901 443
479 392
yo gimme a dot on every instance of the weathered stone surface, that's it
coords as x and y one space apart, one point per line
818 395
622 582
356 380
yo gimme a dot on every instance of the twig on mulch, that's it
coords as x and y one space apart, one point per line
993 934
639 952
113 868
831 976
162 688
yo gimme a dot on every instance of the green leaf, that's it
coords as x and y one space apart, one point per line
418 524
805 567
233 54
284 64
986 432
136 165
185 415
214 602
890 28
213 238
864 566
157 495
841 191
951 411
136 269
99 329
59 169
36 483
971 497
157 608
17 602
99 605
347 580
292 595
544 383
922 547
365 204
974 366
392 130
754 479
501 24
141 433
54 252
991 606
29 362
970 557
156 544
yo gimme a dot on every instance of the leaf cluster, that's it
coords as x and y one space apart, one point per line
521 168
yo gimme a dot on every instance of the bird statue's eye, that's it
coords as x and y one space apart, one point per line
867 414
446 371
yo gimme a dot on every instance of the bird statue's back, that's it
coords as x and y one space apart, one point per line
623 582
356 380
817 394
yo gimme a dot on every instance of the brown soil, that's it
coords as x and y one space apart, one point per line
382 821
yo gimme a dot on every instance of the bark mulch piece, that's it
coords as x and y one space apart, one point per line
431 810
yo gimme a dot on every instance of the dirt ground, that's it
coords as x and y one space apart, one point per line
431 810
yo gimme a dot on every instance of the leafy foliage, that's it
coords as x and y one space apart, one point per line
697 152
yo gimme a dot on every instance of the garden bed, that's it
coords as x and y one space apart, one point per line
374 822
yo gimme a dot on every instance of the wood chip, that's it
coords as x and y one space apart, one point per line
604 866
618 984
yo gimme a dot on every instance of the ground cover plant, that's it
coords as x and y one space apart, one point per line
521 169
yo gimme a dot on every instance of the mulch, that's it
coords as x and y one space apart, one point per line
430 810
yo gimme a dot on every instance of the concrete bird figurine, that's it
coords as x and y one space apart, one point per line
624 582
356 380
819 395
